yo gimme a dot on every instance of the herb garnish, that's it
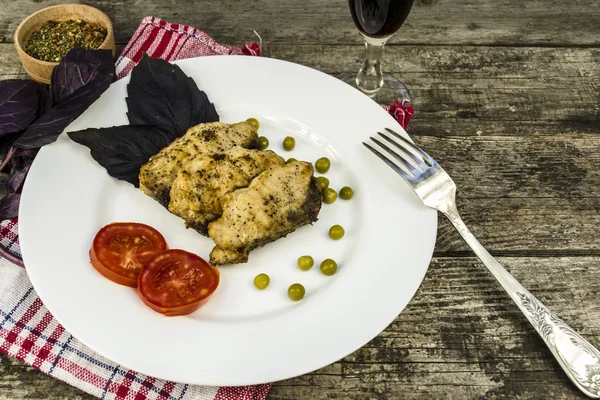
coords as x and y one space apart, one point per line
162 103
31 116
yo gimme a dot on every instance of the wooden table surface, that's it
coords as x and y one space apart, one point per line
507 98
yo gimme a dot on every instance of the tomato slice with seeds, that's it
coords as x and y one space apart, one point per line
120 249
176 282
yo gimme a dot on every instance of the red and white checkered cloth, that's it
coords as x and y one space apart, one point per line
27 329
160 39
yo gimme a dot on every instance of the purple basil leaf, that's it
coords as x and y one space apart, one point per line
78 68
14 183
9 206
202 109
46 129
8 157
122 150
18 104
43 100
161 94
6 142
25 155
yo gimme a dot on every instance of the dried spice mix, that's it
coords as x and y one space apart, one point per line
54 39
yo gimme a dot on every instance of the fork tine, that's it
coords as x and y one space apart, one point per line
410 154
426 156
389 162
413 170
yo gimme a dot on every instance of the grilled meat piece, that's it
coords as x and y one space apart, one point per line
219 256
197 191
158 174
277 201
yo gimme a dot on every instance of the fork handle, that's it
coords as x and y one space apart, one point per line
577 357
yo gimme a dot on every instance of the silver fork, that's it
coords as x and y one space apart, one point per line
577 357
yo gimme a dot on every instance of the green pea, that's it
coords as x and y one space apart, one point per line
263 143
305 263
328 267
322 165
296 292
322 183
289 143
346 193
329 195
254 122
336 232
261 281
291 159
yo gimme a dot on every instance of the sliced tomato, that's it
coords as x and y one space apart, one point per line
176 282
120 249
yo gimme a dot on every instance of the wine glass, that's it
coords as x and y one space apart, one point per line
378 21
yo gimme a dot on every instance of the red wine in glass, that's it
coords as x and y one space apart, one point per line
377 21
379 18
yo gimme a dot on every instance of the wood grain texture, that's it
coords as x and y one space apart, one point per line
449 22
478 91
507 95
465 90
462 338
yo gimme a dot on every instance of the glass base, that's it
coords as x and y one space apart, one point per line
391 90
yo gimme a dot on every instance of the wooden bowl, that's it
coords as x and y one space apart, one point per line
39 70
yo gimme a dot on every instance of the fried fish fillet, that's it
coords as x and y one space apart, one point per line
275 203
158 174
197 191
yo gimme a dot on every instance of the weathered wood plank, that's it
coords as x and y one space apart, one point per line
19 381
521 194
520 167
462 338
466 90
541 22
459 338
525 227
481 90
10 66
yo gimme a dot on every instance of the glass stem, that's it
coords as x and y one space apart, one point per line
370 77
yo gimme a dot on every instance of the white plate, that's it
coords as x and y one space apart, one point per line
242 335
